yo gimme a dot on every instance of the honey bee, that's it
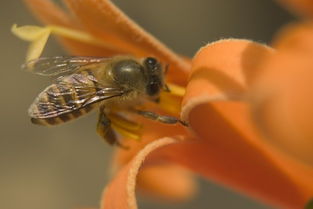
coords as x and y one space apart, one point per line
85 83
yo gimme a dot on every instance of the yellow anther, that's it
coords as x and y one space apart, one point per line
169 104
78 35
126 133
176 90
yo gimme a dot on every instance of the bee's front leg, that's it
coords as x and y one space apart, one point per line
161 118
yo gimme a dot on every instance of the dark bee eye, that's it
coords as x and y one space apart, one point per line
151 62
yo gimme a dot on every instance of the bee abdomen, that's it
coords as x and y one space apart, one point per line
57 120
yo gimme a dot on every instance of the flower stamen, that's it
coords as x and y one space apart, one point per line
176 90
169 104
38 36
79 36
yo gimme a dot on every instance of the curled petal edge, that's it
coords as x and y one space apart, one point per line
225 130
222 69
120 193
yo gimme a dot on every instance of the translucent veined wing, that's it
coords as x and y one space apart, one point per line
60 65
71 93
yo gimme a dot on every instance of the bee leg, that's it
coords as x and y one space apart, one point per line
105 130
161 118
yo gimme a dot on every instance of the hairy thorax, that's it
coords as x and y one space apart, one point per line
126 101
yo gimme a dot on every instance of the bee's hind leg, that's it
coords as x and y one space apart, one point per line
104 129
161 118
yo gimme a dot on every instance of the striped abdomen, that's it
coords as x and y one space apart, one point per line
61 118
67 99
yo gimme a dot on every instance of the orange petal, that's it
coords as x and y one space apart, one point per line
283 101
295 37
50 14
160 188
224 69
104 20
303 7
167 182
288 75
229 150
235 156
120 193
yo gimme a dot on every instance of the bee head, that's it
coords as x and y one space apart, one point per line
145 76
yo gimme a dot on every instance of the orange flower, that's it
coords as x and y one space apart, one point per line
221 145
282 96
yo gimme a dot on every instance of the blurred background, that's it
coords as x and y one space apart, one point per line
66 167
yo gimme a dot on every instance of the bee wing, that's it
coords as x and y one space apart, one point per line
70 93
60 65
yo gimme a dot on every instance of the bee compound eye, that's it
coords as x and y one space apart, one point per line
151 62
